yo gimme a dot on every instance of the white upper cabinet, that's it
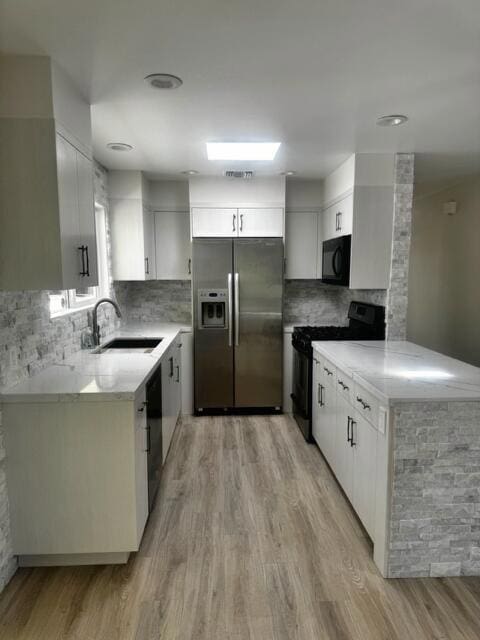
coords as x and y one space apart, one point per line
260 222
172 245
232 208
132 227
337 220
303 199
214 222
301 245
47 214
357 201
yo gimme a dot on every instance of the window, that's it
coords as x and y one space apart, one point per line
70 299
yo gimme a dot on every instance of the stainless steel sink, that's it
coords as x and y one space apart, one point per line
129 345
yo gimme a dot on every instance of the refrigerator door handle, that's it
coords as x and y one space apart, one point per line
230 310
237 309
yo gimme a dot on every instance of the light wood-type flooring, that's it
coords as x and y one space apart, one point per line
251 538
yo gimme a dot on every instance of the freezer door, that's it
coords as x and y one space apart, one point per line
213 340
258 335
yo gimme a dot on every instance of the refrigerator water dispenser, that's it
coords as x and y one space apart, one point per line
212 308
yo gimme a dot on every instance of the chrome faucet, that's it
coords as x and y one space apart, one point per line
95 327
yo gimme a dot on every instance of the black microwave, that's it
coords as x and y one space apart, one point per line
336 261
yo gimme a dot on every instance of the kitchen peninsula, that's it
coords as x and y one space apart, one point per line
400 427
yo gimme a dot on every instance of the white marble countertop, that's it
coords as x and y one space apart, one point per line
404 371
88 376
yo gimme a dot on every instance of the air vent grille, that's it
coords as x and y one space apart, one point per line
246 175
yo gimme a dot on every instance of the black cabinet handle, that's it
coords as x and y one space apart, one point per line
171 367
147 268
233 223
364 404
328 372
241 222
343 385
88 262
352 443
189 266
178 373
348 429
149 443
83 271
320 395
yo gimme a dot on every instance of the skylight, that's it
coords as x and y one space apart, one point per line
242 150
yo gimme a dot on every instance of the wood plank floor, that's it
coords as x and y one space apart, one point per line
250 539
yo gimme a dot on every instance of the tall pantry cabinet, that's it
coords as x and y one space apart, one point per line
47 212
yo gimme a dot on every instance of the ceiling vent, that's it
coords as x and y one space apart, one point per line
246 175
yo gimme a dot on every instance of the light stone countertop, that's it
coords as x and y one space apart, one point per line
87 376
403 371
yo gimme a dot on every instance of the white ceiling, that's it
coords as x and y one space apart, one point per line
313 74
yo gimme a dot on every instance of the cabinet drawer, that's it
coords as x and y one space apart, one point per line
328 373
366 404
345 386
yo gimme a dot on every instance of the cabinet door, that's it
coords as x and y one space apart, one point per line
317 405
364 471
338 218
342 462
329 422
69 218
214 222
301 245
149 244
177 380
187 373
329 223
141 463
261 222
173 246
343 216
86 219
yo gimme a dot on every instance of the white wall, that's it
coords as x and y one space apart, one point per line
169 195
444 298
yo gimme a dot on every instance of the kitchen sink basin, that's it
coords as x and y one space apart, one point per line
129 345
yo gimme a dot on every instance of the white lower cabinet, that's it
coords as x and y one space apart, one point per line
364 471
343 459
171 393
345 418
324 413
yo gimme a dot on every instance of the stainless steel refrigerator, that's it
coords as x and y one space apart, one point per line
238 326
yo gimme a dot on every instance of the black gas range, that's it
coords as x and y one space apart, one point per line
365 322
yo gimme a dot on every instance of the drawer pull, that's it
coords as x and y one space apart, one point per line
343 385
348 430
364 404
327 371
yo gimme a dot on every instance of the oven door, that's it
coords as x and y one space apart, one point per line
336 261
302 392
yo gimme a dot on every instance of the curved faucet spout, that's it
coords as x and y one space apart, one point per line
95 327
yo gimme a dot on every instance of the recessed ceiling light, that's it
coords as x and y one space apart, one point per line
190 172
288 173
163 81
391 121
119 146
242 150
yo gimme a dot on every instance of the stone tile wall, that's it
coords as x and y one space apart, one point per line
29 342
435 522
312 302
397 300
156 300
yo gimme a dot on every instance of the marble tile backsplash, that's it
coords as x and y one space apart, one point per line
156 300
314 303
